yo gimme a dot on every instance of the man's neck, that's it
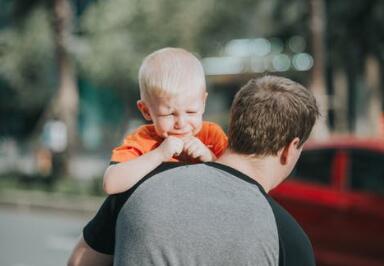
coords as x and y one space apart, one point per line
263 170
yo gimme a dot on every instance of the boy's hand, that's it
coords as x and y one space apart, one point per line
170 147
197 150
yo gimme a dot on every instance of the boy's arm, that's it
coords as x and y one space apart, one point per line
121 177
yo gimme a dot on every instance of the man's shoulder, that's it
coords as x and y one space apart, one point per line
164 167
295 246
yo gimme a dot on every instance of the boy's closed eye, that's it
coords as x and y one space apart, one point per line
192 112
165 114
173 114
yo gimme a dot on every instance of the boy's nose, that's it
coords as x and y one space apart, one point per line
180 121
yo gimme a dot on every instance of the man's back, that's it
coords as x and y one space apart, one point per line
204 214
197 215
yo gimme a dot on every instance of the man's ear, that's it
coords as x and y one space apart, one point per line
141 105
289 152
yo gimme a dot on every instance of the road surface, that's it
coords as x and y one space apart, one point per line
37 238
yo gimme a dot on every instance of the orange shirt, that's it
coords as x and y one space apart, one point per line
145 139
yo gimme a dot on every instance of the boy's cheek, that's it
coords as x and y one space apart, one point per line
197 121
198 124
164 122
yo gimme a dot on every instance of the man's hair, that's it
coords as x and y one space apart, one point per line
268 113
170 71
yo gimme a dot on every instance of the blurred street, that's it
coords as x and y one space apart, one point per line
83 167
37 238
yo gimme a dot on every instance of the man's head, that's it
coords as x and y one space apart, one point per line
268 113
173 92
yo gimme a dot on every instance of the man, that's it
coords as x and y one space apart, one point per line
216 213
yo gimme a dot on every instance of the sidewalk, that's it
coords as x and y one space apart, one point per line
36 200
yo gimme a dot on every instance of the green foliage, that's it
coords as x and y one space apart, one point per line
26 60
358 29
116 35
112 37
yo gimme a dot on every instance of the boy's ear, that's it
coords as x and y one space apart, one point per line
144 110
205 99
290 153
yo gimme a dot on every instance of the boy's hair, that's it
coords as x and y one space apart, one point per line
170 71
268 113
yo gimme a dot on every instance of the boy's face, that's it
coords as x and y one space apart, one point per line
178 116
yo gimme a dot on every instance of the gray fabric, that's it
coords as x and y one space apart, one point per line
196 215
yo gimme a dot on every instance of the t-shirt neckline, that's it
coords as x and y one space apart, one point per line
236 173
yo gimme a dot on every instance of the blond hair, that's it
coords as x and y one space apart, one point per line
170 71
268 113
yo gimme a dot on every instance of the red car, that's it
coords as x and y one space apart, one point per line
336 193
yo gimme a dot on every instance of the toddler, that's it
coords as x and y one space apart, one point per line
172 96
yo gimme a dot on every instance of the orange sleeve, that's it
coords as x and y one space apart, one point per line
125 152
136 144
213 136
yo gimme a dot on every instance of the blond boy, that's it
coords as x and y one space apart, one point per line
173 95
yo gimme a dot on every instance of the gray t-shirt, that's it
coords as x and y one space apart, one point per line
202 214
196 215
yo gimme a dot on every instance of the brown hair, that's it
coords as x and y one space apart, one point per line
268 113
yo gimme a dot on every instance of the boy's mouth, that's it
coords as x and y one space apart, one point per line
180 135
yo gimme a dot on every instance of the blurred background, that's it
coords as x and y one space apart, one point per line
68 92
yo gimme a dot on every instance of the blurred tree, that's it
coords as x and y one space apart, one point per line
116 35
26 72
355 44
112 37
318 86
42 26
65 104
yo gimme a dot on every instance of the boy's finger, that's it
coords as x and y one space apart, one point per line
194 151
187 145
189 139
